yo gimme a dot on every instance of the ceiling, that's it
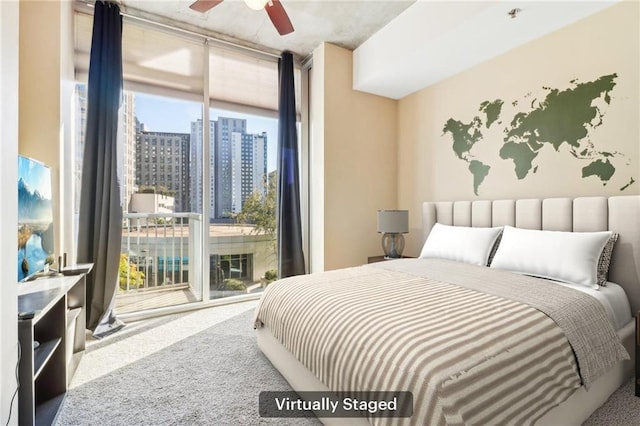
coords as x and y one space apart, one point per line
346 23
399 46
433 40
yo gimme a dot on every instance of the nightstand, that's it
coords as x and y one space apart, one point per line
638 354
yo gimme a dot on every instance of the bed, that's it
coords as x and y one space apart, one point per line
514 352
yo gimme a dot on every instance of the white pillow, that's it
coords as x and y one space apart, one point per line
570 257
460 243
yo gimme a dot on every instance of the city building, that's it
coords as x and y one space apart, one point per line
238 164
163 163
228 135
126 141
248 168
195 165
128 147
80 127
151 203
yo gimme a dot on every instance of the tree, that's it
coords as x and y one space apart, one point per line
259 208
158 189
233 284
128 272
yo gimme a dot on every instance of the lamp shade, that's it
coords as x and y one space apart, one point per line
393 221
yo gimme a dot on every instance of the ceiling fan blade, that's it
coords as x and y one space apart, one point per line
204 5
279 17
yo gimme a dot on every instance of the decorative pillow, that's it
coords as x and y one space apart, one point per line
494 249
605 260
460 243
570 257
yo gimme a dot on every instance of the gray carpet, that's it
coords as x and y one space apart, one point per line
210 378
210 373
622 409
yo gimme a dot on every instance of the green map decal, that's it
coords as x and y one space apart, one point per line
560 119
464 135
492 110
479 171
521 154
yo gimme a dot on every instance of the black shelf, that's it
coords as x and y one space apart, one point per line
47 411
55 317
42 354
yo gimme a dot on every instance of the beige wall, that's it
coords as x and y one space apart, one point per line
602 44
45 90
355 136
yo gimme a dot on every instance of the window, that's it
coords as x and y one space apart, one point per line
169 150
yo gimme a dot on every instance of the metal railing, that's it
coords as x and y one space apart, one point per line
161 250
162 260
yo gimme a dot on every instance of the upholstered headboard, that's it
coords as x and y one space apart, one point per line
619 214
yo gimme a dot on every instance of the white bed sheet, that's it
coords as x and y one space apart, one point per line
614 300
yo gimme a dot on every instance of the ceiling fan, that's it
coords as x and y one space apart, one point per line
274 9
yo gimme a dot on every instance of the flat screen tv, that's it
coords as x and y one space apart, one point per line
35 218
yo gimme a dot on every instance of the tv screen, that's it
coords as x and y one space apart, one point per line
35 217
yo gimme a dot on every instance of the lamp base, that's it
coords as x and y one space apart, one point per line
392 245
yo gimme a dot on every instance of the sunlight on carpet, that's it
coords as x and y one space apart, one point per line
143 338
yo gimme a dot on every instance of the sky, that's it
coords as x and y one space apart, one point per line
36 175
160 114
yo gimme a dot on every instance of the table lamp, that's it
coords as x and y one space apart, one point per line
392 224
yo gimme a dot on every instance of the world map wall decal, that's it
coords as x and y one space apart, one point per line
558 118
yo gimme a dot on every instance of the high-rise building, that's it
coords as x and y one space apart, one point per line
128 125
163 161
196 163
259 158
237 164
248 167
228 130
80 119
128 147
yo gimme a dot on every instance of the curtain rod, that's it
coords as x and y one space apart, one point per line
87 6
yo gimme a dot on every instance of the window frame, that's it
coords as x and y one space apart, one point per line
205 99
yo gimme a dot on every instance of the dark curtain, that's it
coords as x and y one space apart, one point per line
290 254
100 223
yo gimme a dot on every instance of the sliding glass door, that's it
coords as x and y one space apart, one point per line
198 199
242 248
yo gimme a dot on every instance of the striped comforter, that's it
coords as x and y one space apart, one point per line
469 355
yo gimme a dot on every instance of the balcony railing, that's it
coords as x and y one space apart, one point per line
161 261
161 251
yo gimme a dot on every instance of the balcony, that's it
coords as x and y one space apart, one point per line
161 261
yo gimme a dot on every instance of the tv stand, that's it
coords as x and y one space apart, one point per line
52 313
40 275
